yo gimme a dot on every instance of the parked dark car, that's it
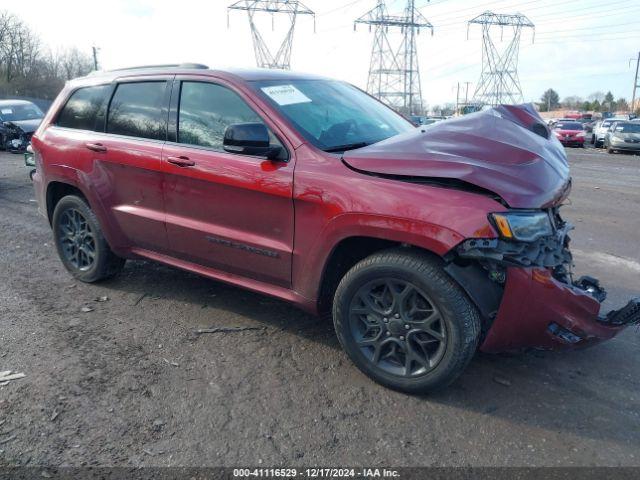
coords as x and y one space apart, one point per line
423 244
18 120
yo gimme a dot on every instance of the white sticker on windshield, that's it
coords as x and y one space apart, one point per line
286 94
6 111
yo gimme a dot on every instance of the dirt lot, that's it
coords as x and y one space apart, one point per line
129 383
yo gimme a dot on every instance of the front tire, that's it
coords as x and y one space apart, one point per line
80 242
405 322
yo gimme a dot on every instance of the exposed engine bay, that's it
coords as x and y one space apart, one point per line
15 138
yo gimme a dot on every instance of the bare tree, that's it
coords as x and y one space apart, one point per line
572 101
26 68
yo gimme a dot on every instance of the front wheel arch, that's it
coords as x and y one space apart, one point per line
347 253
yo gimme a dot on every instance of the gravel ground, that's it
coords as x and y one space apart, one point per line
129 383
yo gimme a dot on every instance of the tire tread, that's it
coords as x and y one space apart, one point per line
429 266
108 263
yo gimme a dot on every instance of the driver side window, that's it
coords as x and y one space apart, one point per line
205 112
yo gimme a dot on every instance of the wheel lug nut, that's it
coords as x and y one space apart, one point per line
397 315
407 326
388 334
401 337
385 320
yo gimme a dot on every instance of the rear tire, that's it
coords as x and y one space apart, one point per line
80 242
405 322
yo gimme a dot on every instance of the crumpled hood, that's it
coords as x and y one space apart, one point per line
494 149
27 126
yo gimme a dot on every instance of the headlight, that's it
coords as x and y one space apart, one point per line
524 226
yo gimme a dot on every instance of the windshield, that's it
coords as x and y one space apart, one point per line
10 113
628 127
569 126
334 116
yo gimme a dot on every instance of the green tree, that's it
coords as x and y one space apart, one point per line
608 102
596 106
621 104
550 100
586 106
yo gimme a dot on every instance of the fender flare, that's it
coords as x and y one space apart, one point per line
308 275
71 176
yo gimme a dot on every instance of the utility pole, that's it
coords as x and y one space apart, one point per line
264 56
635 85
499 82
394 74
458 100
95 57
466 93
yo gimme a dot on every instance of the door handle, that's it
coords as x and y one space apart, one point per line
181 161
96 147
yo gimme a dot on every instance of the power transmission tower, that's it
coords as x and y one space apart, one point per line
394 74
292 8
499 82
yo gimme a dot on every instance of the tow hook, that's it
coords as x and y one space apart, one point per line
627 315
592 287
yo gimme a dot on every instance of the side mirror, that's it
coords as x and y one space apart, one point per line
249 139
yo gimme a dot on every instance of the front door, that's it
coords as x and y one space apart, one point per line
223 210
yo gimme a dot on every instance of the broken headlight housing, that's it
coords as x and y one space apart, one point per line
526 226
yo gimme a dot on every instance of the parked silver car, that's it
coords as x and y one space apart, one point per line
623 136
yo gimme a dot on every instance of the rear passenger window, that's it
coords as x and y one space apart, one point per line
136 110
206 110
82 108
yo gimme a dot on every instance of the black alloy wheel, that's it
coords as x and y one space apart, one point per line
397 327
81 245
404 321
77 239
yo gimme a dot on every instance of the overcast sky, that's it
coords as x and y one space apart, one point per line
581 46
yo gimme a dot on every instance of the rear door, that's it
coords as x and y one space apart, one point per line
226 211
130 160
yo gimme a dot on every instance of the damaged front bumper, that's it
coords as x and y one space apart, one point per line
526 294
538 310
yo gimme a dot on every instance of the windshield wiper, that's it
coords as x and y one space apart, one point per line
345 147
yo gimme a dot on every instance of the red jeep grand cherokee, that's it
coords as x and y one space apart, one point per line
426 244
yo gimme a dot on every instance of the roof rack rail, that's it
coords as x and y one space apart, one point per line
195 66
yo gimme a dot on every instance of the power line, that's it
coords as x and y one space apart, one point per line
555 15
549 35
322 14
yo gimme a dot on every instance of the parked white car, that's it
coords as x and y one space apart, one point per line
600 131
